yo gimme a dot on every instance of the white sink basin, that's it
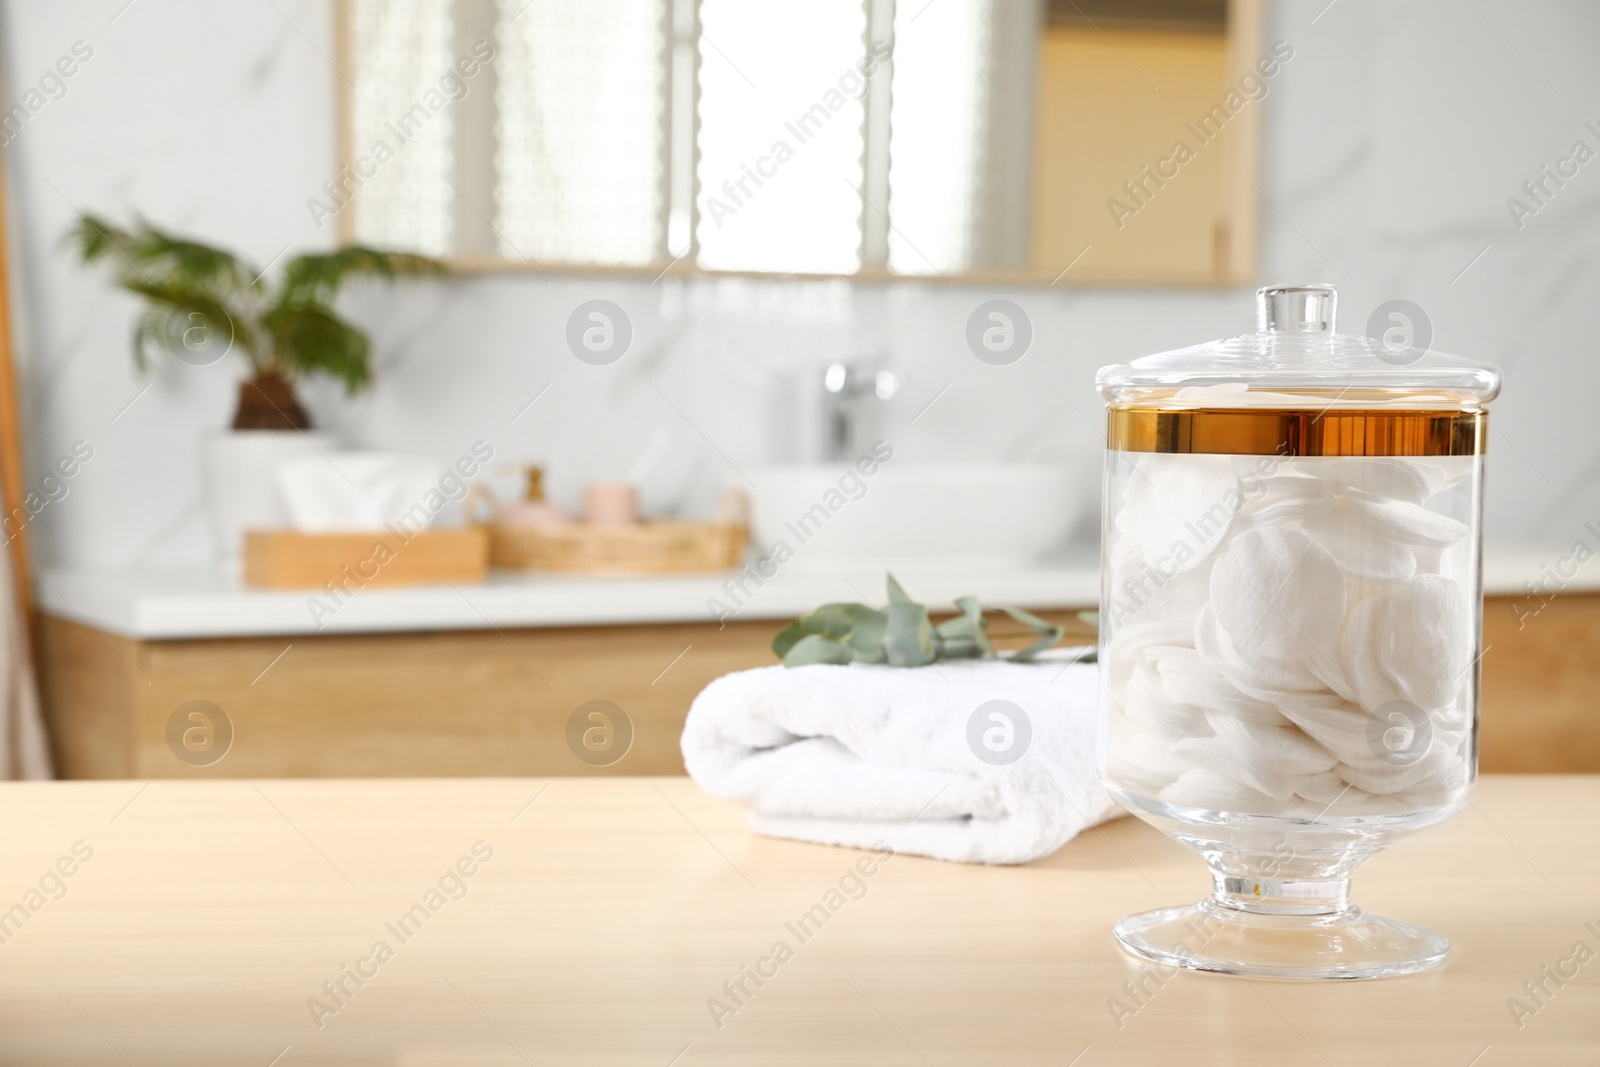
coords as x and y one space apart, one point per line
911 516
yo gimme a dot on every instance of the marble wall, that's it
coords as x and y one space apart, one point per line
1392 144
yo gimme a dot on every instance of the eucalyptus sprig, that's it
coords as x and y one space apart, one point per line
900 634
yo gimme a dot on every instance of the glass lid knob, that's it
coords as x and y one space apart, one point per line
1296 308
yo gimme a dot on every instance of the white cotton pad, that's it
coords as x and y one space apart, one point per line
1149 705
1341 729
1351 541
1268 607
1375 776
1272 681
1129 643
1177 509
1300 700
1275 749
1358 645
1322 789
1328 665
1147 597
1426 642
1201 788
1277 594
1413 643
1147 758
1300 485
1378 477
1225 760
1187 678
1276 510
1411 523
1353 801
1282 678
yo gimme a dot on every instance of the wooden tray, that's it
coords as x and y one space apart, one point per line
289 559
639 548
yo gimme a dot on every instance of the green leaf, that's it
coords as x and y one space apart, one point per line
834 620
311 339
318 276
292 330
1090 619
856 626
787 638
866 637
1030 620
910 640
903 635
1026 654
815 648
977 627
860 627
169 299
1049 634
155 256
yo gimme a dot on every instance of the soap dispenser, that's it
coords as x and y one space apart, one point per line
533 509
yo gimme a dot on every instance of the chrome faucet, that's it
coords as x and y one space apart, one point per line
842 385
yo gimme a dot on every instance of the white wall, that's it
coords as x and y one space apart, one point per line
1393 140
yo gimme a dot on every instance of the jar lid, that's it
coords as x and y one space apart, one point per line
1296 359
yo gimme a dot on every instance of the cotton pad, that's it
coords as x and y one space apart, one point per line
1375 776
1151 705
1324 790
1378 477
1216 651
1299 484
1277 593
1146 756
1341 530
1189 680
1341 729
1283 748
1222 758
1264 609
1425 643
1177 509
1409 523
1283 510
1358 652
1201 788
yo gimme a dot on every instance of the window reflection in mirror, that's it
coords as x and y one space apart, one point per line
1086 140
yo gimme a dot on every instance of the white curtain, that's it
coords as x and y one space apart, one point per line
24 750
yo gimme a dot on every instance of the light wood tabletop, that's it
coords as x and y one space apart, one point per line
634 921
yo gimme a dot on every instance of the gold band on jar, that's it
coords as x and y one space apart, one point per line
1298 432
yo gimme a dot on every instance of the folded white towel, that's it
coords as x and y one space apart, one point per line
855 755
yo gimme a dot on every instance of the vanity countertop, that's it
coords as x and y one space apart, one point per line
206 602
603 921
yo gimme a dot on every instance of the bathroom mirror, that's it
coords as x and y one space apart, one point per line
1110 141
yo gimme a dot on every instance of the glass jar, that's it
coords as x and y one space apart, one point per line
1290 613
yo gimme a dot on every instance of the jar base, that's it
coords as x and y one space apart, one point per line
1349 943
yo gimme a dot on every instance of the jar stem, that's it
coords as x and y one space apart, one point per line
1280 896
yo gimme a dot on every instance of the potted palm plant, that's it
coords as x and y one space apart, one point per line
203 303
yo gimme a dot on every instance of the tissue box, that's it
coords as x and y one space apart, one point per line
289 559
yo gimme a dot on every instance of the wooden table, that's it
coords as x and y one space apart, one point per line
601 915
